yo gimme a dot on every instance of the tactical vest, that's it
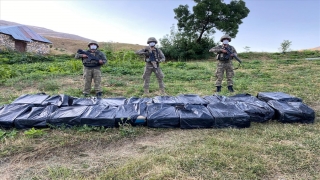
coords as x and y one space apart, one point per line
223 56
154 57
87 62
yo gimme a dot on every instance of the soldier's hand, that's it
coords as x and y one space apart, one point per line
84 56
224 51
100 61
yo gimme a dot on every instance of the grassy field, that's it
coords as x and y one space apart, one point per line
270 150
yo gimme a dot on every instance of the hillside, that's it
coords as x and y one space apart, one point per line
64 43
314 49
70 46
46 32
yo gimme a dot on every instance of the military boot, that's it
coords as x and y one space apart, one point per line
218 89
163 92
230 89
99 95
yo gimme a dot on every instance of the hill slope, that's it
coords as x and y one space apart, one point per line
46 32
64 43
69 46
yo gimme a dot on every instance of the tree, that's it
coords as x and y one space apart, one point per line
209 15
177 45
285 45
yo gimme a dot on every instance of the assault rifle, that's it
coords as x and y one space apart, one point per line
90 56
152 60
229 54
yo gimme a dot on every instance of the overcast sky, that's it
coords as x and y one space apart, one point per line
269 22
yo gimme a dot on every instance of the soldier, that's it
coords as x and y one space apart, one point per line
92 61
224 62
153 56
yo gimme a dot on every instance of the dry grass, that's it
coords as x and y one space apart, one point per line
70 46
311 49
270 150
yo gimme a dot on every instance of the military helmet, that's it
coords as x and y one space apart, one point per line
225 37
152 39
93 42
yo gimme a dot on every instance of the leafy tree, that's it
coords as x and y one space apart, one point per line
285 45
179 46
209 15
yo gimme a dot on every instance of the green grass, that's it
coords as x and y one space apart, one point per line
269 150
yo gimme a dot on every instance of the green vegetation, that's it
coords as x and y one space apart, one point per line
270 150
32 133
285 45
196 28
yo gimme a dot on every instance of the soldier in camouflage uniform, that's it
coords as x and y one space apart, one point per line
153 57
92 68
224 62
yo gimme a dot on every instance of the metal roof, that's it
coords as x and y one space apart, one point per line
23 33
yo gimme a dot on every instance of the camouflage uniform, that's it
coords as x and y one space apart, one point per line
224 65
92 70
149 68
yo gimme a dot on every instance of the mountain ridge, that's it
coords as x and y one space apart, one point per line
47 32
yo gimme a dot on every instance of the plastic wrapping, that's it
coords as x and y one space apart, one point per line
215 98
166 100
227 114
292 112
68 116
117 101
136 100
162 116
35 99
127 113
10 112
59 100
184 111
195 116
36 117
191 99
99 115
279 96
259 111
84 102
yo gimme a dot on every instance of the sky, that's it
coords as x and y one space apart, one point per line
268 24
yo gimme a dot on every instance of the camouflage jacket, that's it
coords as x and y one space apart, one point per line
92 63
220 55
159 56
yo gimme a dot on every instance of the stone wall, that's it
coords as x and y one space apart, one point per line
6 42
38 47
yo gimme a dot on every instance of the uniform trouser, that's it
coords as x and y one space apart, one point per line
147 73
221 67
89 74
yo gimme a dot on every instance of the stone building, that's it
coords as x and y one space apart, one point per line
23 39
